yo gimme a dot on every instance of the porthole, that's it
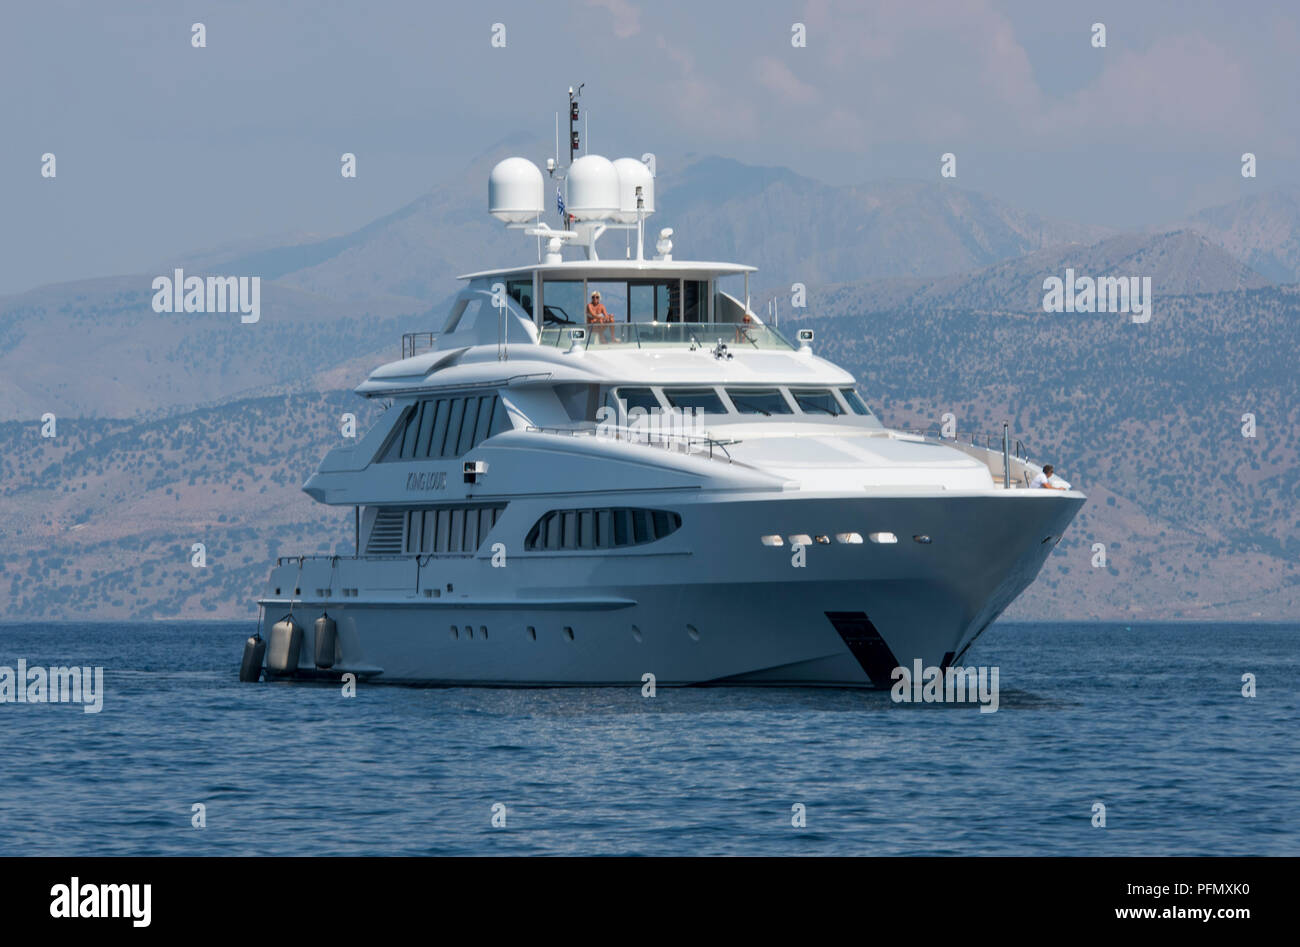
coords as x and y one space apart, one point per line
824 540
922 539
885 538
768 541
693 632
482 630
849 539
469 632
532 633
800 539
568 632
455 632
636 634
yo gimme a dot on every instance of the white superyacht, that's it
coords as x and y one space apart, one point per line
659 484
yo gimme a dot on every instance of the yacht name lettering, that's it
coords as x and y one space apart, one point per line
181 293
1103 294
427 481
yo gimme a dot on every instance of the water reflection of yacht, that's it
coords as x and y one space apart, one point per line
683 492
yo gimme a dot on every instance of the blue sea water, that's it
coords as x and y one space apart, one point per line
1147 719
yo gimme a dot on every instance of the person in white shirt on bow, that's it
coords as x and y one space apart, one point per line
1047 480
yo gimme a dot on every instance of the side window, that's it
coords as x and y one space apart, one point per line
469 315
600 529
445 427
450 529
855 402
642 398
521 291
579 400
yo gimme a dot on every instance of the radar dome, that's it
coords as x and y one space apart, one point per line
593 188
631 175
516 194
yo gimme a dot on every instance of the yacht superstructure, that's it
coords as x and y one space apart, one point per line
678 491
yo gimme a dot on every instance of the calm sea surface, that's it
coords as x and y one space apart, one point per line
1147 719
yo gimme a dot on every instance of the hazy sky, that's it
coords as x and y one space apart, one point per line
163 148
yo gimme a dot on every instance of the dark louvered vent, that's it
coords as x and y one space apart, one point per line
386 534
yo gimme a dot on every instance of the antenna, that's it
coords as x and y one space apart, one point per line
573 117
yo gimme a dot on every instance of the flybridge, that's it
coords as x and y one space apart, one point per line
633 302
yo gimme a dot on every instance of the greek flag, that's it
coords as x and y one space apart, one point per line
559 200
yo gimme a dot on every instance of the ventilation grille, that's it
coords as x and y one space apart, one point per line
386 534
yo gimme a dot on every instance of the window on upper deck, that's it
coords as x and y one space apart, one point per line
563 303
642 398
464 314
817 401
649 300
765 401
704 400
521 291
695 301
855 402
579 400
445 427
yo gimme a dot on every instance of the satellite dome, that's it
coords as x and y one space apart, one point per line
631 175
593 188
516 194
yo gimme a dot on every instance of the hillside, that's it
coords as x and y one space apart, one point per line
99 521
97 348
1180 262
1262 230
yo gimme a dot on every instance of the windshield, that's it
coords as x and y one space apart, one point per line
705 400
765 401
817 401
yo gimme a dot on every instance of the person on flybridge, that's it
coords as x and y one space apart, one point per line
597 313
1048 480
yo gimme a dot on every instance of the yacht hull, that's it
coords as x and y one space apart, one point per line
711 605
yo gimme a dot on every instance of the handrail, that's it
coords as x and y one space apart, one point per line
649 436
696 335
992 441
384 557
416 343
